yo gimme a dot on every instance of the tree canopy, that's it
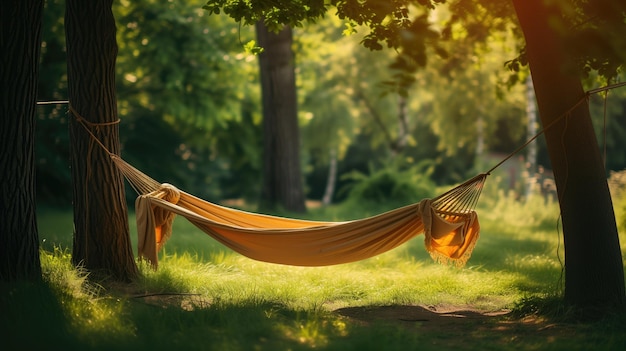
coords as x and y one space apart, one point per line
591 30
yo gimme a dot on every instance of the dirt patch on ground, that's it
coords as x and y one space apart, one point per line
445 315
187 302
446 323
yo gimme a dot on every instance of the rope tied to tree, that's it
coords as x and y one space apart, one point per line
87 124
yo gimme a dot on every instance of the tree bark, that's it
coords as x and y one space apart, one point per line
594 277
101 233
282 175
20 46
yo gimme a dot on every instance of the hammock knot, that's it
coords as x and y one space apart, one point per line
169 193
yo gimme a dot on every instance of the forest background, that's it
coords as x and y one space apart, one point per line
190 108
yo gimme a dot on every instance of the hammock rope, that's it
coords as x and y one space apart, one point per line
449 223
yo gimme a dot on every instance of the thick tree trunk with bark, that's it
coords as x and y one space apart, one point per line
101 234
282 175
594 277
20 43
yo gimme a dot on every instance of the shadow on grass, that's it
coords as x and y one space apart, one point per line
36 317
32 317
261 325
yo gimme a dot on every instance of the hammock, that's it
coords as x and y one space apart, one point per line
449 223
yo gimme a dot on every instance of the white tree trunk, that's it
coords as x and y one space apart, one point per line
332 179
531 131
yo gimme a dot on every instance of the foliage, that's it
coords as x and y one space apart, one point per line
328 117
182 69
589 28
389 186
385 20
170 57
590 32
393 24
52 139
274 13
402 25
185 92
468 102
349 99
503 204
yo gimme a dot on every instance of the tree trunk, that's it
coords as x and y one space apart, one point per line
20 45
403 124
282 177
594 277
531 131
101 234
331 182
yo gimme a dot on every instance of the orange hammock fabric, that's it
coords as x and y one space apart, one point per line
450 233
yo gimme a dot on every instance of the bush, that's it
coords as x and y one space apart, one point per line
389 187
501 205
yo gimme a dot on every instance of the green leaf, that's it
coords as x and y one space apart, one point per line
251 48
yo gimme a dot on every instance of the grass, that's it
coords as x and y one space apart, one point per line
205 297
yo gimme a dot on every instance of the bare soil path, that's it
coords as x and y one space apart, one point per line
456 326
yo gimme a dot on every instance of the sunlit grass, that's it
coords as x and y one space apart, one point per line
204 296
91 314
510 260
391 278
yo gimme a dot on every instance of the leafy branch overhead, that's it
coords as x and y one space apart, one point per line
389 21
395 24
592 30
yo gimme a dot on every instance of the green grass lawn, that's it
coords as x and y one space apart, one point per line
205 297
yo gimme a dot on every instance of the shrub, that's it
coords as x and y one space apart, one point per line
389 187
